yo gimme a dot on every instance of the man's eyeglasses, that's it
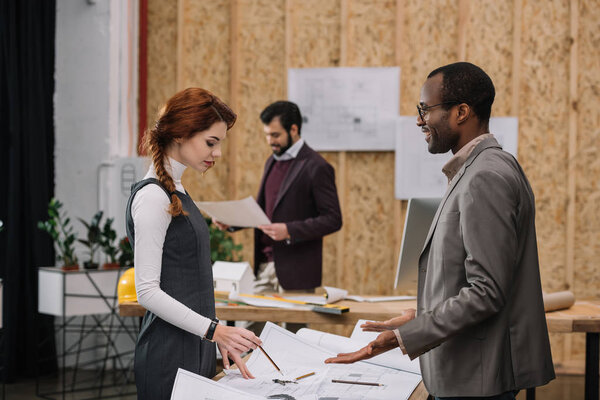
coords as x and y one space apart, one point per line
423 110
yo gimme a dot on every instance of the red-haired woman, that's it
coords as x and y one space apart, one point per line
173 273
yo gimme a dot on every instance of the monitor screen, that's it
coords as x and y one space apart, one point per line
419 215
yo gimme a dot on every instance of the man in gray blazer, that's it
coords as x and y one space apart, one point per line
479 329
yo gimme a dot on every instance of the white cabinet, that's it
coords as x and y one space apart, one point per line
83 292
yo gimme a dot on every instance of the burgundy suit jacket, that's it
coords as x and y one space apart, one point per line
308 203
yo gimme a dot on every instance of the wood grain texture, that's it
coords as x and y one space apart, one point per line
525 46
490 21
205 43
543 128
430 40
587 227
369 224
162 55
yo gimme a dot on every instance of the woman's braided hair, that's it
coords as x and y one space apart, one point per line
188 112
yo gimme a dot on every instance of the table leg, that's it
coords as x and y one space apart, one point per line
592 361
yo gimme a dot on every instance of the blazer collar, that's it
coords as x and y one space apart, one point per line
290 176
293 173
485 144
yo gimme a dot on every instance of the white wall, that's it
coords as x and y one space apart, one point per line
95 100
81 103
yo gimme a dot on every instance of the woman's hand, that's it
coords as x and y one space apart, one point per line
237 359
233 342
219 225
390 324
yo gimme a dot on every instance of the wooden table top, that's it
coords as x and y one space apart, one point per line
583 316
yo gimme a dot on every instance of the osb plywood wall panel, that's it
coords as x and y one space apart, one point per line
314 34
543 127
205 61
543 135
162 55
368 231
261 55
429 40
587 162
489 20
587 256
530 54
314 42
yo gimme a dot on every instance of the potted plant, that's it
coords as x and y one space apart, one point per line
222 246
107 241
126 256
59 228
93 239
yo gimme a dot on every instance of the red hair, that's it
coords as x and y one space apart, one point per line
188 112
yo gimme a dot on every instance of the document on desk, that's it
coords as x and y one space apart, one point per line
341 344
296 356
245 213
333 295
192 386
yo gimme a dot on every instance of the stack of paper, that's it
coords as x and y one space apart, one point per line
333 295
296 356
245 213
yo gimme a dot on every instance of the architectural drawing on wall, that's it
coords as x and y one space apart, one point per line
418 173
352 109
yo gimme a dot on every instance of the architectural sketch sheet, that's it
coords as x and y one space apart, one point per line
192 386
350 109
244 213
340 344
296 357
418 173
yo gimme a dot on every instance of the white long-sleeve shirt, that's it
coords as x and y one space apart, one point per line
151 221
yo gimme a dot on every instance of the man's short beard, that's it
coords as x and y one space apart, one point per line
284 149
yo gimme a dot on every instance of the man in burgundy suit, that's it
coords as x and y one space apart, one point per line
298 194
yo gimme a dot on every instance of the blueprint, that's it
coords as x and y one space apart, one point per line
296 357
418 173
352 109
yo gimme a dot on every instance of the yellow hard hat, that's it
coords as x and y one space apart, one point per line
126 288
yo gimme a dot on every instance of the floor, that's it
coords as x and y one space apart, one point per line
565 387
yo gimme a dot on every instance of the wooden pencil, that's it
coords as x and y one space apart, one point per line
357 383
270 359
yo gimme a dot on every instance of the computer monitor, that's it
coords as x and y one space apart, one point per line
419 215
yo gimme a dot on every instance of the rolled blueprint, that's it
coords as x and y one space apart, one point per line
558 300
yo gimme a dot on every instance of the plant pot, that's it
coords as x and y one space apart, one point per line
90 265
114 265
73 267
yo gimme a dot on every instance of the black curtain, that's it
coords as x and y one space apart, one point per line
26 177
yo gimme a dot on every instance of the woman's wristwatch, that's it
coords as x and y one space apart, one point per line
211 330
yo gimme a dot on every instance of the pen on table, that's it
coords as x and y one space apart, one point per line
357 383
304 376
270 359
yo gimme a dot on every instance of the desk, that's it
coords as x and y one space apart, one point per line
583 316
373 311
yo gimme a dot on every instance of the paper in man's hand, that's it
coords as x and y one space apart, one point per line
245 213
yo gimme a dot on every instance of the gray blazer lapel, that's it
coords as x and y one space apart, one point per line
485 144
